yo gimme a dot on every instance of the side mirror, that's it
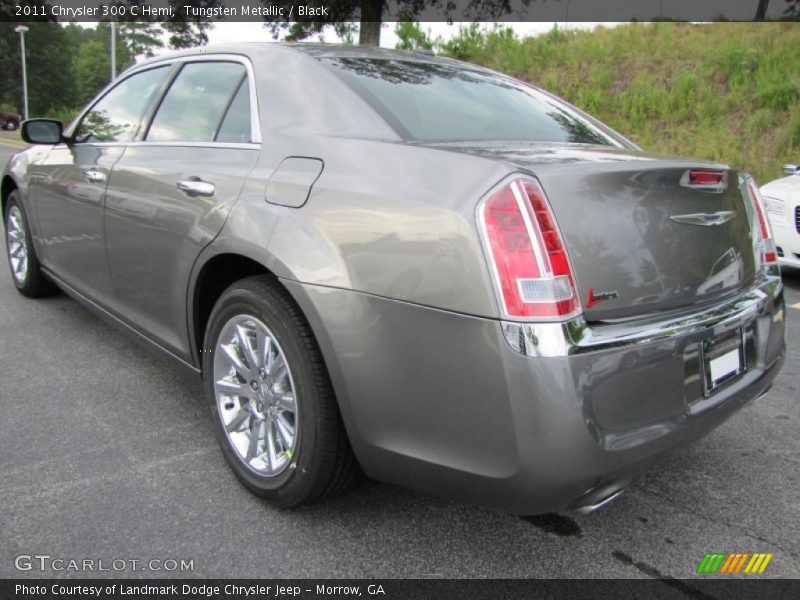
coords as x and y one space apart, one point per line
791 169
42 131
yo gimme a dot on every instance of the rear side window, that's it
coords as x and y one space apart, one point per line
197 102
439 102
236 124
116 115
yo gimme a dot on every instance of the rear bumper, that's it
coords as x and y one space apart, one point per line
640 388
529 418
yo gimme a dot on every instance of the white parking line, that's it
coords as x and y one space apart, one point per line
796 305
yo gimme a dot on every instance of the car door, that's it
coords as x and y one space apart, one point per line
169 195
71 183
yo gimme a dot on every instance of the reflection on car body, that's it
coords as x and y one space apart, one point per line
449 278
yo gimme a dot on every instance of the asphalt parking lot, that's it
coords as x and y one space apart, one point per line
107 453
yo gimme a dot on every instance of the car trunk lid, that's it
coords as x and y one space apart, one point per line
641 235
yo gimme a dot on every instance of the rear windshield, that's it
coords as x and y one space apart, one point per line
438 102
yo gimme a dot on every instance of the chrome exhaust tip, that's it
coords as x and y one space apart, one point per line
590 508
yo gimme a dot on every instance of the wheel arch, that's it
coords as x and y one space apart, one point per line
219 269
8 185
208 283
214 273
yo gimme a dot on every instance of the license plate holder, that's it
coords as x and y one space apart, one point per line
723 360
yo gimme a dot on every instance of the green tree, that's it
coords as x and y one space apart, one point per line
412 37
370 13
50 85
92 68
182 32
792 9
10 63
185 34
140 38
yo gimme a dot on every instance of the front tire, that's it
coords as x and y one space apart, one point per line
26 271
275 414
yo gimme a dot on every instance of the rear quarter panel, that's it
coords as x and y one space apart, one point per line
383 218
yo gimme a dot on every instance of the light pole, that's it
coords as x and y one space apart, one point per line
21 29
113 50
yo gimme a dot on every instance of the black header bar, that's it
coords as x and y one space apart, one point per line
394 10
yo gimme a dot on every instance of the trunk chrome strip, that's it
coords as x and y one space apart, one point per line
578 336
705 219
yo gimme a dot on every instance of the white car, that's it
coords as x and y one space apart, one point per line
782 203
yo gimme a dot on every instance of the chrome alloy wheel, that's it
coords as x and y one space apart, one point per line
255 395
17 245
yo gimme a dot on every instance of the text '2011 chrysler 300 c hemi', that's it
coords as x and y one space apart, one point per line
450 279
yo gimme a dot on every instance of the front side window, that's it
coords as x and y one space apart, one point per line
194 108
116 115
440 102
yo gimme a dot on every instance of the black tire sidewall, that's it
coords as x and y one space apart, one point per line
285 488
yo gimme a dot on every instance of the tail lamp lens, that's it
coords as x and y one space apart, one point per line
527 253
768 250
697 177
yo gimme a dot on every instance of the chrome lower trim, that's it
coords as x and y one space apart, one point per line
578 336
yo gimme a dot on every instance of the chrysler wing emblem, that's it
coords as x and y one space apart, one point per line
705 219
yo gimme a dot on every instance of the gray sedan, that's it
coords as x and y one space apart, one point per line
405 265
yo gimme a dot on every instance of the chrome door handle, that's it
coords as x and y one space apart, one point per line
196 187
94 176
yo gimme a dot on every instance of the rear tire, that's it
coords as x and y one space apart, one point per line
26 271
275 413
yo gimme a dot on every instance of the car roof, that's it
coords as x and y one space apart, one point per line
314 50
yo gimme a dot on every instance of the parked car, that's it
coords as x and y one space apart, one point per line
449 278
9 121
782 205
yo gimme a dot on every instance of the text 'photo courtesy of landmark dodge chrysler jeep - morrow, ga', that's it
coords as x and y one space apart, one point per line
407 265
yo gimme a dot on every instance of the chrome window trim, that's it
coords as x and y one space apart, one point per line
141 144
255 121
234 145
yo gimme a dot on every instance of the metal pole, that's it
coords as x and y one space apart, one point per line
113 51
21 29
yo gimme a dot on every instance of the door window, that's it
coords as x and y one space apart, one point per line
196 104
116 115
236 124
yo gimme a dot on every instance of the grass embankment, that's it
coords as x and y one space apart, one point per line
721 91
11 138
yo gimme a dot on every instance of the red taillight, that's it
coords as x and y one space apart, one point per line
768 252
697 177
527 253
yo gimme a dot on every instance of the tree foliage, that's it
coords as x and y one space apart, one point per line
791 10
412 37
48 67
342 14
69 64
91 66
